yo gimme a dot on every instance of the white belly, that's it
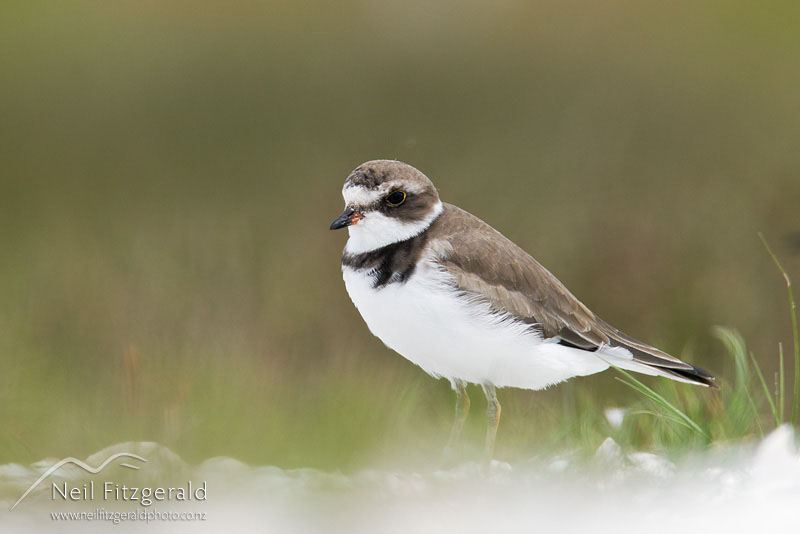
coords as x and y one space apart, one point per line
426 322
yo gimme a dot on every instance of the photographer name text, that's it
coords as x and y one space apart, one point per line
146 496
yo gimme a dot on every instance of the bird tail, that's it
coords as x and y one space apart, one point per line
631 354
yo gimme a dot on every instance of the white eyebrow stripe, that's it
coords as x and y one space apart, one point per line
356 195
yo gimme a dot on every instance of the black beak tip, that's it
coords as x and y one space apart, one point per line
344 220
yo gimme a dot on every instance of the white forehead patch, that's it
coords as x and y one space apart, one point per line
360 196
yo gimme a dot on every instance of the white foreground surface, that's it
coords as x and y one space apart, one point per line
742 489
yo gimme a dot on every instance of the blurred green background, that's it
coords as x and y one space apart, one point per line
169 171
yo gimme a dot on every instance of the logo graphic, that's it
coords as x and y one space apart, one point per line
83 465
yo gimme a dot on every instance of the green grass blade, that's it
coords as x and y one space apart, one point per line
795 336
659 400
660 415
735 345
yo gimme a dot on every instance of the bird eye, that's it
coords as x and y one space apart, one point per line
395 198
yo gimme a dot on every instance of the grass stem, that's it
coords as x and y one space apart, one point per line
795 336
781 384
767 392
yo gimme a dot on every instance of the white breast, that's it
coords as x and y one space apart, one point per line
427 322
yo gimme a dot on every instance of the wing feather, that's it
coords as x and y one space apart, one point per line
492 268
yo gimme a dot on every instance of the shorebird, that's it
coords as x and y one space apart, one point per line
454 296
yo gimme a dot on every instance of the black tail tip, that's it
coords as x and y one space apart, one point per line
698 376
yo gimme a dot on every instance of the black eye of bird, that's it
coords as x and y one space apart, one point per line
395 198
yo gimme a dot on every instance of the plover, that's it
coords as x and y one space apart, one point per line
454 296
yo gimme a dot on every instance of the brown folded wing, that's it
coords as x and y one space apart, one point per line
487 265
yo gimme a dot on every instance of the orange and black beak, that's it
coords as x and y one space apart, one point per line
348 218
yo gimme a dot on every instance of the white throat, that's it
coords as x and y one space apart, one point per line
376 230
